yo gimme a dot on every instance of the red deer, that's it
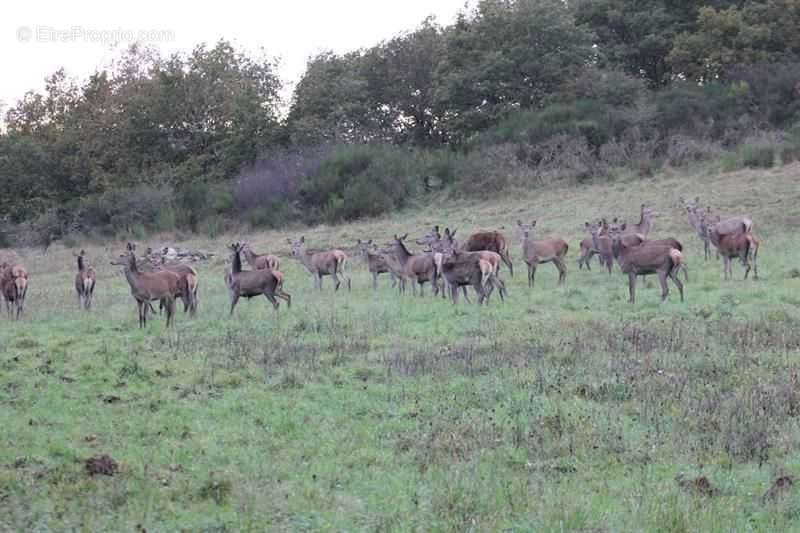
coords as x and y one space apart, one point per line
250 283
14 285
189 280
460 269
602 243
587 250
544 251
645 225
419 268
85 280
735 244
641 260
376 262
331 263
491 241
149 286
259 261
634 239
456 264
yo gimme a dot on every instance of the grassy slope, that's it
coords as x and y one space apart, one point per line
563 409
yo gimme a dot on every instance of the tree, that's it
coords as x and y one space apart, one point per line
506 55
755 33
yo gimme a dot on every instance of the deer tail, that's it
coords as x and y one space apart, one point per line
677 260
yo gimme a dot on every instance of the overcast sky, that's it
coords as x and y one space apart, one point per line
38 37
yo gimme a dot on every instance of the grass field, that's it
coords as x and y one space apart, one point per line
565 409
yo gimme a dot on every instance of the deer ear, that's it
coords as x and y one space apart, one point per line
533 223
404 237
303 238
369 241
519 223
697 199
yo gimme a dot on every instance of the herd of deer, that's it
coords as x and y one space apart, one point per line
445 262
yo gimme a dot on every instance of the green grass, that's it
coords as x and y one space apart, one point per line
561 410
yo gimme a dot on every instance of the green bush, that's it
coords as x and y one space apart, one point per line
364 180
757 155
274 215
751 155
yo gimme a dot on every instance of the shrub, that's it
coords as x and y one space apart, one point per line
276 176
363 180
273 215
122 211
757 155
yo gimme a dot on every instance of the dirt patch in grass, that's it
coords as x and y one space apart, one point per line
101 465
780 487
699 486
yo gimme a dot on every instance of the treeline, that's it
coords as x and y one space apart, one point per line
513 93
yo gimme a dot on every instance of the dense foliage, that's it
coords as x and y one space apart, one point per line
513 92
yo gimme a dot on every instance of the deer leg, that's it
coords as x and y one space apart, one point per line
336 281
271 298
632 288
674 275
285 296
169 305
662 278
507 260
234 301
374 281
562 271
531 269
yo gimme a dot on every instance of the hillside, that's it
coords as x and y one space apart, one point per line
562 409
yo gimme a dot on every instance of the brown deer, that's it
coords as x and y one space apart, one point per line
737 244
645 224
461 269
85 280
641 260
377 263
330 263
601 243
149 286
14 287
696 215
189 280
250 283
544 251
418 268
634 239
259 261
442 247
447 247
491 241
484 264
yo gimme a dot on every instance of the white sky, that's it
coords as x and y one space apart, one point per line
292 30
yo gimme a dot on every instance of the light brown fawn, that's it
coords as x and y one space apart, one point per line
259 261
543 251
741 244
419 268
376 262
85 280
14 287
329 263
